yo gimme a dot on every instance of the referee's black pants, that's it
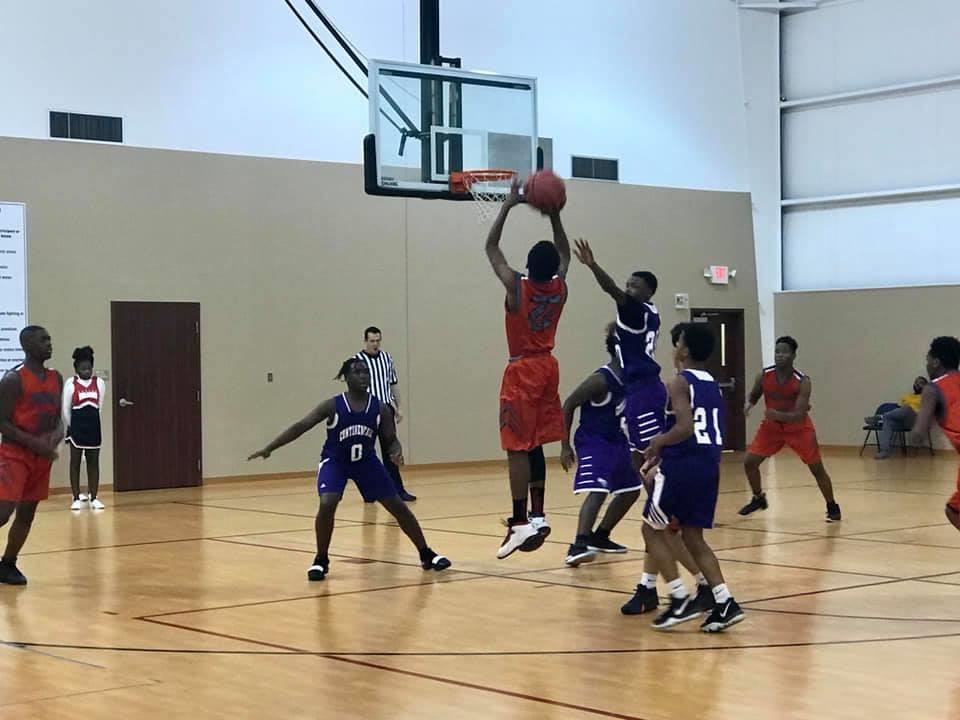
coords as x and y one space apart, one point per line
392 468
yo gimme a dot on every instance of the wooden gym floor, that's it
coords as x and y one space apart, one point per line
195 603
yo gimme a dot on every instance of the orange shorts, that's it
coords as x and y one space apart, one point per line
530 413
24 475
954 502
800 437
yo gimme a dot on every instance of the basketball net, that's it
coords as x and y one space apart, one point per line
489 188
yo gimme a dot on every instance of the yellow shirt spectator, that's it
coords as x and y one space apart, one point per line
911 400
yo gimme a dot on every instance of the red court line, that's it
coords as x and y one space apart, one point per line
409 673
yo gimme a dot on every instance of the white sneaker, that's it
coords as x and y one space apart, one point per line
76 505
541 525
84 497
95 504
519 537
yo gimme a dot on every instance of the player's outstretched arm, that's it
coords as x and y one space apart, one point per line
800 408
562 242
929 400
679 391
507 275
388 435
755 394
322 412
584 254
593 388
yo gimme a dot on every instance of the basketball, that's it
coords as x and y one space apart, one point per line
545 191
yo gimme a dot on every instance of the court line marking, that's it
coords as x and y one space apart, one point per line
516 576
148 683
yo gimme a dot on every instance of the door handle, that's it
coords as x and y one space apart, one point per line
125 403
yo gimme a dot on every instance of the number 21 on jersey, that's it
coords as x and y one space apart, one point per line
702 427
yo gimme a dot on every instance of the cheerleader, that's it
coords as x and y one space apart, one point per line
82 398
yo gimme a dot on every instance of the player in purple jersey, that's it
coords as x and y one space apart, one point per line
638 327
637 330
602 458
355 420
684 465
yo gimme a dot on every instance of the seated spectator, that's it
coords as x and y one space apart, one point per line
900 419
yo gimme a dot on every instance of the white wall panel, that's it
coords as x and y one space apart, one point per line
881 245
878 144
857 44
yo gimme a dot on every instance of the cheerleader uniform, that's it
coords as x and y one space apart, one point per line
81 412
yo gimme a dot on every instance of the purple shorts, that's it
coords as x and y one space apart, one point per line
684 493
645 412
371 477
604 466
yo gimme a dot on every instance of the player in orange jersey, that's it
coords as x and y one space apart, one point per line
786 395
940 399
530 412
31 430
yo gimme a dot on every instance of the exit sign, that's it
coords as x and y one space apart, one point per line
719 275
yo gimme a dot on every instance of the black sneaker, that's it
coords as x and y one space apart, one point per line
723 616
579 554
757 502
833 513
681 610
704 601
318 571
603 543
437 562
644 600
11 575
407 497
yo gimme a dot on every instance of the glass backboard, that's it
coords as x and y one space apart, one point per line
427 121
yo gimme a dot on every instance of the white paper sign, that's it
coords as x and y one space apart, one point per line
13 281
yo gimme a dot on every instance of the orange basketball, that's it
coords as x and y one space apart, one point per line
545 191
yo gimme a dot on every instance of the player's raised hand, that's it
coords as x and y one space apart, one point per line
259 454
513 197
567 457
581 248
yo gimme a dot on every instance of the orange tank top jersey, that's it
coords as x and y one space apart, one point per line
37 410
532 327
781 396
949 411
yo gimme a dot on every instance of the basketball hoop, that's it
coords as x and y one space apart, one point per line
489 188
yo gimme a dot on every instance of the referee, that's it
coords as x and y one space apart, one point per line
383 386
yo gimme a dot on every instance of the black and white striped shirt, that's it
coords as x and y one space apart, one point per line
383 374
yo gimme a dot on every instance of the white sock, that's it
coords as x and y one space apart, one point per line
648 581
720 593
677 589
700 579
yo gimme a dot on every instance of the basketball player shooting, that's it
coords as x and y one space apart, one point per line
530 412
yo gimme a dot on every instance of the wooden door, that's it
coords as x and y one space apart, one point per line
727 366
156 395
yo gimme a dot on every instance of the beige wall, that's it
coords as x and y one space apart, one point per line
863 347
290 261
